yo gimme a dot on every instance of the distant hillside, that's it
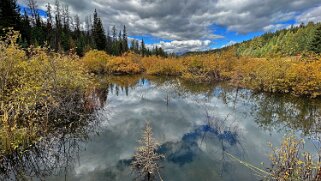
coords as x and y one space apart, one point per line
286 42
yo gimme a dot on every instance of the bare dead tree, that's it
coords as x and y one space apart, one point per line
145 160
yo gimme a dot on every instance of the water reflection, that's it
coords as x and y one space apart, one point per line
195 124
287 112
51 155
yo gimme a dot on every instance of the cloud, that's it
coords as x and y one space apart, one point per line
275 27
312 15
188 20
183 45
230 43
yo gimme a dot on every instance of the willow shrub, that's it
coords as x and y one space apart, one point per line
95 61
209 67
162 66
284 75
280 75
127 64
38 93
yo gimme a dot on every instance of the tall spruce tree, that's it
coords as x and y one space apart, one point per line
98 33
58 27
143 49
125 40
120 44
109 43
9 15
25 30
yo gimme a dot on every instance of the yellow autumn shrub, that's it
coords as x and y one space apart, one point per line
95 61
305 78
37 93
162 66
126 64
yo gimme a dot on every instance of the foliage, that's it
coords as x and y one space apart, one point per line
9 15
95 61
286 42
293 41
290 163
38 94
209 67
162 66
299 76
126 64
315 44
99 33
277 75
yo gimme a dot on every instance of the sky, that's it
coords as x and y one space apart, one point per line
195 25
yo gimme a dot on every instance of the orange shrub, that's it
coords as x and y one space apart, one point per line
162 66
95 61
127 64
207 67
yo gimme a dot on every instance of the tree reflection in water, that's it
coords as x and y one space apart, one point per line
57 152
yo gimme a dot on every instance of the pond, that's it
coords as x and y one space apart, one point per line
196 125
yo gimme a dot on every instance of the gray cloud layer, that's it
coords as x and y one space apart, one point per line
187 20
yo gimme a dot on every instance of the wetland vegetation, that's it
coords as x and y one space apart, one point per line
77 104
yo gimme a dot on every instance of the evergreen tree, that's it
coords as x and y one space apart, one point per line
58 27
61 32
109 43
125 40
114 33
114 42
9 15
98 33
25 30
120 44
143 49
315 44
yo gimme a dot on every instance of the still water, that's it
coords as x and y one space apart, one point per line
195 125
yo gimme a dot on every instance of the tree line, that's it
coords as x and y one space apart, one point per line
293 41
62 32
301 40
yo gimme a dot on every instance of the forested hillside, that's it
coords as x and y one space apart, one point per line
295 41
286 42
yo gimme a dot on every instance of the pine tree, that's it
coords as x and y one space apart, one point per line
58 26
114 41
9 15
109 43
315 44
125 40
25 30
120 44
49 17
114 33
143 49
98 33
